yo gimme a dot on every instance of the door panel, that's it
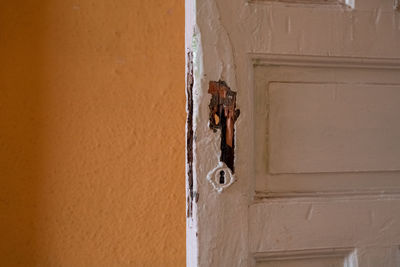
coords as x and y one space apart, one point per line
326 125
370 227
333 127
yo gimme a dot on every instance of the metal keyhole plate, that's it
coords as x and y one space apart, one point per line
220 177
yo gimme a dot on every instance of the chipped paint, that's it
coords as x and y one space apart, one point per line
223 115
310 212
192 195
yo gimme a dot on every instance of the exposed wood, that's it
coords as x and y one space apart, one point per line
223 115
192 195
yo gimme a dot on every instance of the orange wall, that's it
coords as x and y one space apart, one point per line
92 140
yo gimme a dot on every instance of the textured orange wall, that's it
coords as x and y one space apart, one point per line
92 133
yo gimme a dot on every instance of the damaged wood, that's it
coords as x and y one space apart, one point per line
192 195
223 115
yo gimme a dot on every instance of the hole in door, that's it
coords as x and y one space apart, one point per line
222 177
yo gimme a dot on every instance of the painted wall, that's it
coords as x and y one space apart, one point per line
92 113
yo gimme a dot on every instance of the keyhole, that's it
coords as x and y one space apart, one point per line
222 177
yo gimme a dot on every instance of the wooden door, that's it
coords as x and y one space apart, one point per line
315 179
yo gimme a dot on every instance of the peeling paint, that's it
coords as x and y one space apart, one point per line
189 136
377 16
223 115
310 212
288 25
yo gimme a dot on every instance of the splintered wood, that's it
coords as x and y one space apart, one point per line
223 114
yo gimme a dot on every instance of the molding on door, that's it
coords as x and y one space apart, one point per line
330 3
346 255
344 195
324 61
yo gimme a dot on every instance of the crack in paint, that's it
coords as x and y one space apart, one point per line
192 195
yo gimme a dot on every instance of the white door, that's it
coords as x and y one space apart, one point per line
308 174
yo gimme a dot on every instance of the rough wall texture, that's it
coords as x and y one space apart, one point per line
92 120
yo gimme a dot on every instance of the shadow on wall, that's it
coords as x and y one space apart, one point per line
21 113
92 114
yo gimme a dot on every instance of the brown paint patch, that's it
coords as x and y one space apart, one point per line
223 115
